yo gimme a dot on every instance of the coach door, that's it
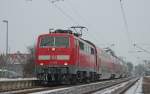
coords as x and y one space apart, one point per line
93 53
76 52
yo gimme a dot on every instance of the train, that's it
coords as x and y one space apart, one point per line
63 56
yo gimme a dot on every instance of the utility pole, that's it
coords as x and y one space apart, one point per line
6 21
125 23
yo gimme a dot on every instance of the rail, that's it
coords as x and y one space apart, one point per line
30 86
84 89
126 87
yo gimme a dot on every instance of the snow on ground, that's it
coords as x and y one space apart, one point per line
16 79
111 89
136 89
50 91
20 91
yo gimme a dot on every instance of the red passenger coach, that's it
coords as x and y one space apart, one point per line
105 64
62 56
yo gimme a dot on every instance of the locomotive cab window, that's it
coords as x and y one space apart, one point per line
51 41
47 41
61 41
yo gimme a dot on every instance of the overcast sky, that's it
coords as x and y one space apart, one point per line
29 18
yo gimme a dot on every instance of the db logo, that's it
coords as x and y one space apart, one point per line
53 57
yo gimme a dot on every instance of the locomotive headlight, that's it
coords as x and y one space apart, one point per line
53 49
65 63
44 57
63 57
41 64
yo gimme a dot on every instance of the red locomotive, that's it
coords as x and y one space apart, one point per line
63 56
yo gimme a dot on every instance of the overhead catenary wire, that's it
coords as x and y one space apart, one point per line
70 17
72 8
64 13
142 48
75 11
127 30
125 23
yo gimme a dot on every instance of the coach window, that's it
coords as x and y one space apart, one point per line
89 50
81 45
92 51
85 48
76 43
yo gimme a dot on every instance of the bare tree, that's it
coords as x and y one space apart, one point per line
2 61
29 66
139 70
130 66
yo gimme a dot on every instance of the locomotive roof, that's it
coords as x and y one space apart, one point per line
68 32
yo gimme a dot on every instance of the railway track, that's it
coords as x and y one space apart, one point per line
70 89
136 88
120 88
